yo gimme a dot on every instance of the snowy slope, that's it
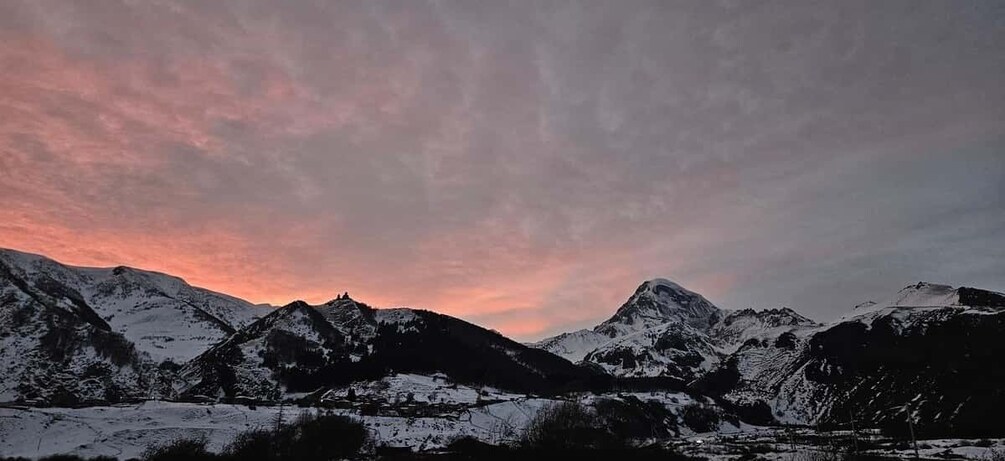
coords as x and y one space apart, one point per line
763 374
661 330
673 350
124 431
660 301
161 315
739 327
54 349
924 296
935 347
301 349
292 341
665 330
573 346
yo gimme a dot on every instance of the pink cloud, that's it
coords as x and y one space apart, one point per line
521 167
96 119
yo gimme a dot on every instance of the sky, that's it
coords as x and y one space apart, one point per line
522 165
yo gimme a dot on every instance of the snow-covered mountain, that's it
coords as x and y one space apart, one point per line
72 335
160 314
660 331
934 348
55 349
740 327
301 349
657 302
672 350
75 334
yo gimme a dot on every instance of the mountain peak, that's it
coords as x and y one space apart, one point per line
347 314
342 300
925 294
662 282
660 287
659 300
298 304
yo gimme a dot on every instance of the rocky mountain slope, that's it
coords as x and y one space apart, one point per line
931 351
305 349
55 349
71 334
665 330
160 314
743 326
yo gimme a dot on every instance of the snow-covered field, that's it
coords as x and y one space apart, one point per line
416 411
125 431
435 389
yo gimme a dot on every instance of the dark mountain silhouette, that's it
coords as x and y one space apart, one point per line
302 348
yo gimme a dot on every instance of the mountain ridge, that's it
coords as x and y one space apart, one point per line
660 330
922 346
301 348
74 336
161 314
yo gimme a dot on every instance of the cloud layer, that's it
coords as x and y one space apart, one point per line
522 165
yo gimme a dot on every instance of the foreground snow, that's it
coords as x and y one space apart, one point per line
404 410
125 431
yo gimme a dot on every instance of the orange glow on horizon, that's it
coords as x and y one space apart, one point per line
90 176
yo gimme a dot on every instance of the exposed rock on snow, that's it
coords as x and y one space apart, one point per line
72 335
301 349
661 330
160 314
935 347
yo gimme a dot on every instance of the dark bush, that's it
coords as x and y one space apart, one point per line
700 418
567 425
470 445
253 444
180 449
310 437
630 418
